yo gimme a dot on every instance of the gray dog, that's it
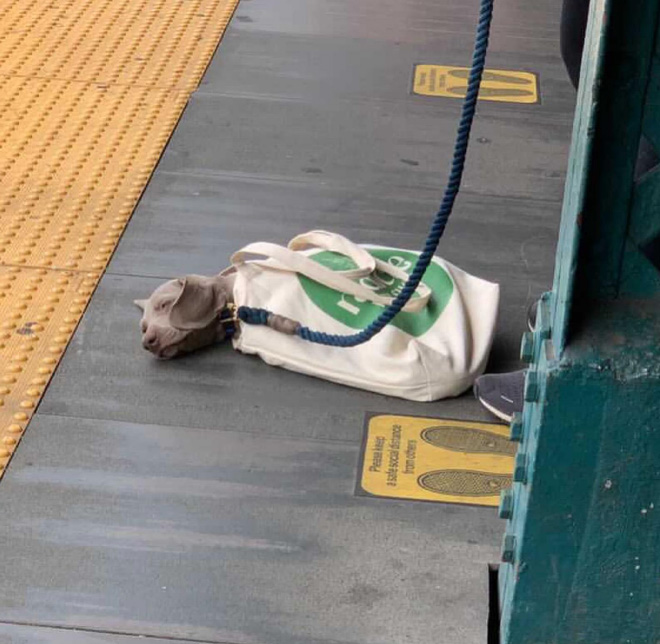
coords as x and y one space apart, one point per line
189 313
184 314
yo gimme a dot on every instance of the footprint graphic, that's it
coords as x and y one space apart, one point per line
498 77
464 482
475 441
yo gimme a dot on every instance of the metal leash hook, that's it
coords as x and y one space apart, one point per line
260 316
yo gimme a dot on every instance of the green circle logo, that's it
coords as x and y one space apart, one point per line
357 313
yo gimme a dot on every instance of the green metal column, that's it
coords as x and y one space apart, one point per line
581 550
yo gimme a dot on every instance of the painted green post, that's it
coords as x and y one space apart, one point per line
581 552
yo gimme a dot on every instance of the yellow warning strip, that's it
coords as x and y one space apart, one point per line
90 92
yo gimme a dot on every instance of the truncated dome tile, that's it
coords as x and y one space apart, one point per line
74 159
39 311
155 43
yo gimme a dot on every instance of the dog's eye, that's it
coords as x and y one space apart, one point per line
143 326
162 305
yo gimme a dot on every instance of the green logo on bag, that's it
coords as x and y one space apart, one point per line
358 313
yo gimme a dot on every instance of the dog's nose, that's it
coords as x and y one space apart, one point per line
150 340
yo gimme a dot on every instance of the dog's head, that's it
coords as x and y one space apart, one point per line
183 315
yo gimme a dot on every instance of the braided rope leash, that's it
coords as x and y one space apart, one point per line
261 316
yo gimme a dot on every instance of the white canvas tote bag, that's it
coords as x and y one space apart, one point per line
435 348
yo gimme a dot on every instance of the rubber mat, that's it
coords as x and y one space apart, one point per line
90 92
427 459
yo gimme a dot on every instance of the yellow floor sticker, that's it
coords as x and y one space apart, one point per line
427 459
496 84
90 92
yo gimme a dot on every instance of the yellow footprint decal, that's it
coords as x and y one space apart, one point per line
475 441
464 483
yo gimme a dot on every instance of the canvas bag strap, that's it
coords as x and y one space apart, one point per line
365 262
297 262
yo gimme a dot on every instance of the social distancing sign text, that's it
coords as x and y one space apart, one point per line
427 459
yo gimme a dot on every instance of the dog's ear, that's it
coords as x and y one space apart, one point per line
141 304
200 301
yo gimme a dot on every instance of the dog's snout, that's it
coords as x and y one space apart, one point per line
150 340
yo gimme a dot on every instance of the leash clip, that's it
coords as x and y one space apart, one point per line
229 314
229 319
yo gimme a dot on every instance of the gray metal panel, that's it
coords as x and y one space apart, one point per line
364 146
192 224
27 634
230 537
518 25
322 68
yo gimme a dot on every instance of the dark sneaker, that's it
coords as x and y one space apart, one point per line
501 393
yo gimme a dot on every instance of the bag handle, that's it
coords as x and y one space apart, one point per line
365 262
290 260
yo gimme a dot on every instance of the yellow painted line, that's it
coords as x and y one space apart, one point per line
90 92
501 85
427 459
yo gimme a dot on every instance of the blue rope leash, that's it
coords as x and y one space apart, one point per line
260 316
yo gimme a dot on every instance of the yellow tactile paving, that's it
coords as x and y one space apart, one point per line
39 310
90 92
154 43
74 158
